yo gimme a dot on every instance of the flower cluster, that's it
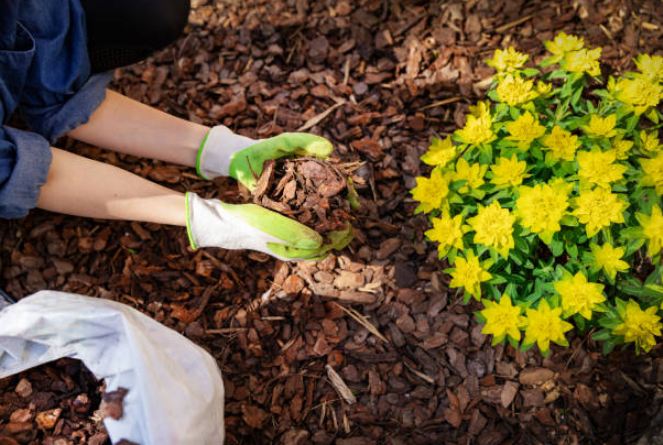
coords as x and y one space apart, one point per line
547 202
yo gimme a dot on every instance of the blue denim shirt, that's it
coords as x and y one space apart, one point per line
45 75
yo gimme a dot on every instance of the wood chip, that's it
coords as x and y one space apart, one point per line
315 120
340 386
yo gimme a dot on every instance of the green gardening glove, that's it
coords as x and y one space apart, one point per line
224 153
212 223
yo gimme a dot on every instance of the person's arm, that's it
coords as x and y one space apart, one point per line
83 187
125 125
128 126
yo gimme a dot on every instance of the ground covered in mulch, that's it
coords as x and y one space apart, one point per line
378 78
51 404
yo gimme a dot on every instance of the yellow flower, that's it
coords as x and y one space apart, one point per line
601 126
469 274
652 229
608 258
440 152
430 192
514 90
493 227
598 167
561 144
477 129
481 109
541 208
622 147
473 174
583 61
579 296
561 185
598 208
649 142
502 319
638 326
543 88
524 130
564 43
545 325
653 172
651 67
447 232
638 94
508 172
507 60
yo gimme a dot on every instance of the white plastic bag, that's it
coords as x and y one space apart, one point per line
175 387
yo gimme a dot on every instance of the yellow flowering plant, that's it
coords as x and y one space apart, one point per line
547 203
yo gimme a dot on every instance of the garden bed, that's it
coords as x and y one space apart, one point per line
378 79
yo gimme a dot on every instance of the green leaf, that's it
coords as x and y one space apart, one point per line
569 220
608 346
557 74
525 347
602 335
529 72
353 196
652 115
511 290
517 257
642 292
493 291
497 279
655 276
512 342
580 322
557 247
571 249
631 123
576 97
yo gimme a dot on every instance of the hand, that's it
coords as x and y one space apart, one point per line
224 153
212 223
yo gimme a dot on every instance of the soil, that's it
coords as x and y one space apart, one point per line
378 78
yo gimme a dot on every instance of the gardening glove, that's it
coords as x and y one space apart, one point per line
224 153
212 223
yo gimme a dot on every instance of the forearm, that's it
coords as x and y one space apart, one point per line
84 187
127 126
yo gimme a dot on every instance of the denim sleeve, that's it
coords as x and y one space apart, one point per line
63 113
24 162
59 93
24 157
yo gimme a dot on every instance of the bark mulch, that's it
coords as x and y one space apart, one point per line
368 346
54 404
312 191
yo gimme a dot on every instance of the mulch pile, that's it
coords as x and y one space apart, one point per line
311 191
56 404
378 78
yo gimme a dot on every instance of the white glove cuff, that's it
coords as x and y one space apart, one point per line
209 224
205 223
217 149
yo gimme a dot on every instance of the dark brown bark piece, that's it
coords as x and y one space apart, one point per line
312 191
112 403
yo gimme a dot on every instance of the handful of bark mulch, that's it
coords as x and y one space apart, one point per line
312 191
59 403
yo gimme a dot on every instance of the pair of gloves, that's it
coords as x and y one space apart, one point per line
213 223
